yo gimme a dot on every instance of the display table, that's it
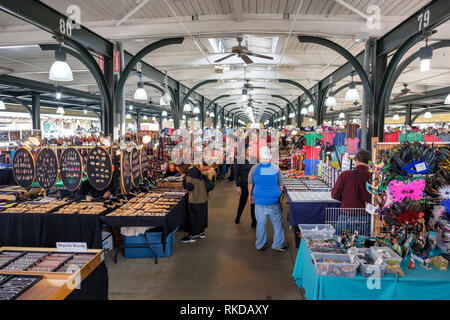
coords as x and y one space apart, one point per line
164 224
418 284
45 229
308 212
91 278
6 177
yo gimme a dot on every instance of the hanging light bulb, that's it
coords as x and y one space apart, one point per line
128 116
184 117
396 117
60 110
58 94
248 109
427 115
154 118
2 105
352 94
60 70
165 98
211 114
311 108
425 55
145 117
447 100
196 118
310 119
164 113
85 111
292 115
187 107
164 119
304 111
140 93
196 109
331 100
131 107
341 115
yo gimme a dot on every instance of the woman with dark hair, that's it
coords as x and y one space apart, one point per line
197 220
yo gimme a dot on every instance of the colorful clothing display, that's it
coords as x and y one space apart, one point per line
312 137
311 166
339 139
352 145
431 138
411 137
352 130
391 136
445 137
340 150
312 152
328 137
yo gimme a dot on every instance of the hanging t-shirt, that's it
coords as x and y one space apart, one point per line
431 138
352 145
392 137
403 137
311 166
340 150
312 152
445 137
328 137
414 137
339 139
311 138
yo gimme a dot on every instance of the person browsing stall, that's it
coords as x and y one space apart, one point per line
350 187
265 186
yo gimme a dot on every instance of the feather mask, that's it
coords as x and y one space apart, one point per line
413 190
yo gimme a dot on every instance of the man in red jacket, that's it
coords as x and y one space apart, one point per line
350 187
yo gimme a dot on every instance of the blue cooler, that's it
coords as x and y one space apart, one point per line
154 238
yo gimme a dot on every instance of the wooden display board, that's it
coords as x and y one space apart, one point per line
46 168
55 285
99 168
136 166
71 169
125 172
24 168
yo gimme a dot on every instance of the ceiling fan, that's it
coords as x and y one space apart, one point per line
243 53
249 86
405 91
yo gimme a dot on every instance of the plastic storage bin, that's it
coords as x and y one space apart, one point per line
154 238
366 269
316 231
343 268
388 255
324 246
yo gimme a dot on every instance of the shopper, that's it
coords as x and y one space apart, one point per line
241 177
350 187
197 219
265 185
171 170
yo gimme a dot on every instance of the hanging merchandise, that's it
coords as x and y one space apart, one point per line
311 166
352 145
312 152
431 138
311 138
328 137
351 130
339 139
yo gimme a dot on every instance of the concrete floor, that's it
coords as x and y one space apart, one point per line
224 265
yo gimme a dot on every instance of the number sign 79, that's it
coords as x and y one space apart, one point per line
424 20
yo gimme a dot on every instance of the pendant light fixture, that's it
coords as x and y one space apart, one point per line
2 105
60 70
211 114
447 100
131 107
145 117
140 93
58 93
331 100
85 111
164 119
164 113
425 55
196 118
396 117
352 94
196 110
184 117
311 108
310 119
427 115
128 116
291 115
187 107
60 110
154 118
304 111
341 115
165 98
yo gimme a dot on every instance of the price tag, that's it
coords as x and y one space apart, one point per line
371 208
421 167
71 247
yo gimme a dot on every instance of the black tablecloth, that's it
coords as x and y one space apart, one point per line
44 230
7 177
94 287
167 223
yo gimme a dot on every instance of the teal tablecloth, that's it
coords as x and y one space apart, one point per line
418 284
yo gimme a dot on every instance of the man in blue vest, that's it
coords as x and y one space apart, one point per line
265 185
